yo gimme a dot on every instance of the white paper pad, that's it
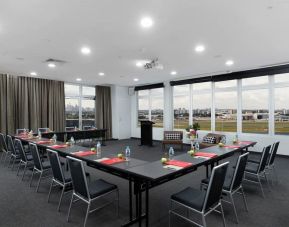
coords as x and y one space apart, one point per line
101 159
173 167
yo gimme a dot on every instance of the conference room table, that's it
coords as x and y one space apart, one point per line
143 175
78 135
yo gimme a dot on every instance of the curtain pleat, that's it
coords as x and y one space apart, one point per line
103 115
31 103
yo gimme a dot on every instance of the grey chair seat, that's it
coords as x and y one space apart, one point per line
252 167
100 187
190 197
46 165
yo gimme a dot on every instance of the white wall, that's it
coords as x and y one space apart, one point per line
262 140
121 112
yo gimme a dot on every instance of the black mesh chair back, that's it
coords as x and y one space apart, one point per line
20 150
69 129
264 158
274 152
55 165
10 145
35 155
3 145
239 171
215 186
78 177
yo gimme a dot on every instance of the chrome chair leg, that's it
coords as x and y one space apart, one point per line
261 186
234 207
69 209
50 189
170 218
266 178
244 199
18 168
204 220
25 167
40 177
59 203
223 216
31 179
86 215
275 173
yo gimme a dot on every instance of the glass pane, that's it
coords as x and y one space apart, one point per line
157 92
226 111
225 84
202 86
143 108
202 110
182 90
181 111
88 113
72 112
88 91
71 90
282 78
143 93
255 81
255 112
157 111
281 111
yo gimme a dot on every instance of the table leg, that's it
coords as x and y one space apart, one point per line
130 200
147 204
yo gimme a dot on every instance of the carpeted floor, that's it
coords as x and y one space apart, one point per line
20 205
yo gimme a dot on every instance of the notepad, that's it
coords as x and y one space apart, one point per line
205 154
83 153
43 142
232 146
178 163
172 167
58 146
112 161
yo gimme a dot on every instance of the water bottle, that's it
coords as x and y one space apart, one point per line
127 153
39 134
98 148
54 138
72 141
197 146
171 153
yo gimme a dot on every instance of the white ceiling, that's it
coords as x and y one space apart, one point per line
252 33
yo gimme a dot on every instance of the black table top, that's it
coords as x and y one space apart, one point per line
135 168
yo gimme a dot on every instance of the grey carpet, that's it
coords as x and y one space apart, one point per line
20 205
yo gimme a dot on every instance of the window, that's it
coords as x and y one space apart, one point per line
79 106
226 106
151 106
255 114
281 110
181 106
202 104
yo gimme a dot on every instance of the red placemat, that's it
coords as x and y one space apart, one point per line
244 142
179 163
83 153
43 142
112 161
59 146
232 146
206 155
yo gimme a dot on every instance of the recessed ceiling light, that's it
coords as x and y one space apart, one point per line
85 50
51 65
101 74
135 79
146 22
229 62
78 79
200 48
173 73
33 74
139 64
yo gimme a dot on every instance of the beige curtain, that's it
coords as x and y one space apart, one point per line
33 103
3 103
103 119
